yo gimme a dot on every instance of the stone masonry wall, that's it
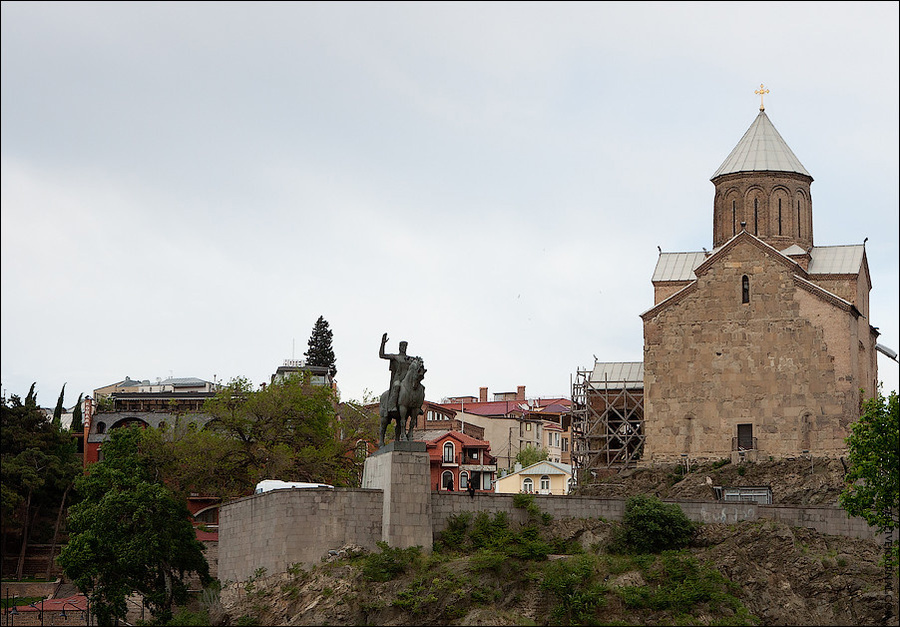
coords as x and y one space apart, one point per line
276 529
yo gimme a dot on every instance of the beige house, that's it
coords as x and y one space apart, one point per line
541 478
763 345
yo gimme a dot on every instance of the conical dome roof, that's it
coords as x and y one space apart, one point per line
761 149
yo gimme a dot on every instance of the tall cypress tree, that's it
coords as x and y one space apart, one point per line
77 424
57 413
320 352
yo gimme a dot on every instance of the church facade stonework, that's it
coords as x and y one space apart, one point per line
761 347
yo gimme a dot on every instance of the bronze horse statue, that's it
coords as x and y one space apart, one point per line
409 403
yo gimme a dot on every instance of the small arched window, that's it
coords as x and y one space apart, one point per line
545 483
447 480
745 289
101 428
463 480
527 485
448 452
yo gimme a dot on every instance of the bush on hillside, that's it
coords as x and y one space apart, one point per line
651 526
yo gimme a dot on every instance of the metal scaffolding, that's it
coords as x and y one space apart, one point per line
607 425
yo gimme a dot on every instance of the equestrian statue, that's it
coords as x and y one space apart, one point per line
403 400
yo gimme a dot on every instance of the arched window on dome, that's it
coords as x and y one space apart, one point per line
745 289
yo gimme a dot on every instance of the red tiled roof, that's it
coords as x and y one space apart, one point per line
207 536
504 408
432 438
75 603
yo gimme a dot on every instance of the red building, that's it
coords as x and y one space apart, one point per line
457 459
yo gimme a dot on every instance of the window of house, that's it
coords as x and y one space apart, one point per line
527 426
208 516
545 483
463 480
449 453
527 485
565 444
487 482
447 480
745 289
101 428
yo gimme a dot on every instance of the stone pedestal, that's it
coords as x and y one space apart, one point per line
402 471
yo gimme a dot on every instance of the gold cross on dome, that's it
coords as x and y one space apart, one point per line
762 91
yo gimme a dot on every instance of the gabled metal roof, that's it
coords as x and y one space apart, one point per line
823 260
761 149
614 374
677 266
836 259
544 468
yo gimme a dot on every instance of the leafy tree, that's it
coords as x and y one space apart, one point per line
320 352
129 534
37 464
358 427
873 483
530 454
287 430
57 413
77 422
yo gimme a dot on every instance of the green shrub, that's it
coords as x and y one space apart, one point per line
454 536
187 618
681 584
573 584
389 563
651 526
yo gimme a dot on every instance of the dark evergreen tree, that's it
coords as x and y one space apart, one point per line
57 413
77 424
320 352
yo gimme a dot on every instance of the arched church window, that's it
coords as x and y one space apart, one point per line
756 216
745 289
798 217
779 216
733 218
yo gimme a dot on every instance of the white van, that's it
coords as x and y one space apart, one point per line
274 484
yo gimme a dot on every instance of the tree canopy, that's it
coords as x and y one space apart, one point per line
129 533
320 352
529 454
873 482
38 461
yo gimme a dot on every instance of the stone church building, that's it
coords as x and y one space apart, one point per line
762 346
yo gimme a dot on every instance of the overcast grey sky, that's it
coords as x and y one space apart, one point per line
187 187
